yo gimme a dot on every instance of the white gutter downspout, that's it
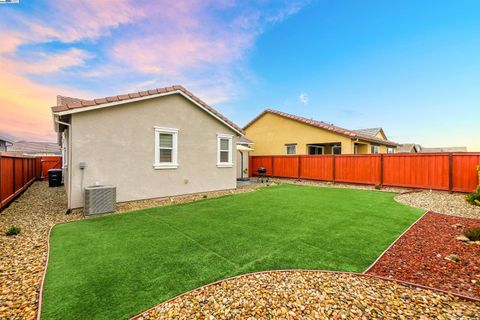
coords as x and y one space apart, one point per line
69 167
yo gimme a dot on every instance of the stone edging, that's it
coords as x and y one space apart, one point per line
409 284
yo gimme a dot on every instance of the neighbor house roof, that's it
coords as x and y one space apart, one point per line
34 147
353 134
73 105
6 139
244 141
444 149
407 147
370 131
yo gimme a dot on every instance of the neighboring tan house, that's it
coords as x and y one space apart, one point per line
280 133
413 148
149 144
34 148
5 143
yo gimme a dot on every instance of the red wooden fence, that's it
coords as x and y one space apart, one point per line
18 172
439 171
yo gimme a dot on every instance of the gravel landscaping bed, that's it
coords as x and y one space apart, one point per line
312 295
441 201
327 184
158 202
22 257
422 256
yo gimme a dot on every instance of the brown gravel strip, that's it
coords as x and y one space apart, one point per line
165 201
440 201
423 256
22 257
312 295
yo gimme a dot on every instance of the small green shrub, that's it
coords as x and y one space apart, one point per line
378 186
12 231
474 198
473 234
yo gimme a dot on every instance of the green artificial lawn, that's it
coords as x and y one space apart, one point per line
113 267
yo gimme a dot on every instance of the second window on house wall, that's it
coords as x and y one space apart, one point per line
166 148
291 148
224 150
375 149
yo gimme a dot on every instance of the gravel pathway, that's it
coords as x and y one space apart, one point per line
440 201
312 295
22 257
421 256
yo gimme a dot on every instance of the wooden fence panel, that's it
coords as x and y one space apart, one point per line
438 171
317 167
363 169
6 183
48 163
17 173
464 172
285 166
261 161
427 171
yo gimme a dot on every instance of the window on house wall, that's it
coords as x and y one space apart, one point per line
337 149
375 149
224 154
390 150
355 148
312 149
291 148
166 148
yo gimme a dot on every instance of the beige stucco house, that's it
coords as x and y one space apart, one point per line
149 144
280 133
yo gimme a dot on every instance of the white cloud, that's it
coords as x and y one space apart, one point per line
303 97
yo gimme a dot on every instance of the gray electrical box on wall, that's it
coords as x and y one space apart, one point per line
82 165
100 199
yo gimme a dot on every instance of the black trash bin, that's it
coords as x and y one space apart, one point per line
54 177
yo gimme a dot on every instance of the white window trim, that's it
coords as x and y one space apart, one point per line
164 165
228 164
372 147
316 147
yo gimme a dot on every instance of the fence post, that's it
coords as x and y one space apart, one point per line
273 161
14 176
381 170
333 167
298 165
450 172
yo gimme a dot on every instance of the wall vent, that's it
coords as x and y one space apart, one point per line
100 199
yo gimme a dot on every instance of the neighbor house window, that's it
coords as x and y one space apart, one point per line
375 149
390 150
166 148
224 153
337 149
291 148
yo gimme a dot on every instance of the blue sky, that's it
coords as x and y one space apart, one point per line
411 67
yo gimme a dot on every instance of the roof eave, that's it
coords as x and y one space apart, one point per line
60 110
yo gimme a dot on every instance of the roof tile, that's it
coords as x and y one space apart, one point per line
124 97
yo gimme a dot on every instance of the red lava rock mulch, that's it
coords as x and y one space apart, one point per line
419 256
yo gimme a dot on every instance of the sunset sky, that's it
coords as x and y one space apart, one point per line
411 67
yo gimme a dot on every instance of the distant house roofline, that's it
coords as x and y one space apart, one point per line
353 134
